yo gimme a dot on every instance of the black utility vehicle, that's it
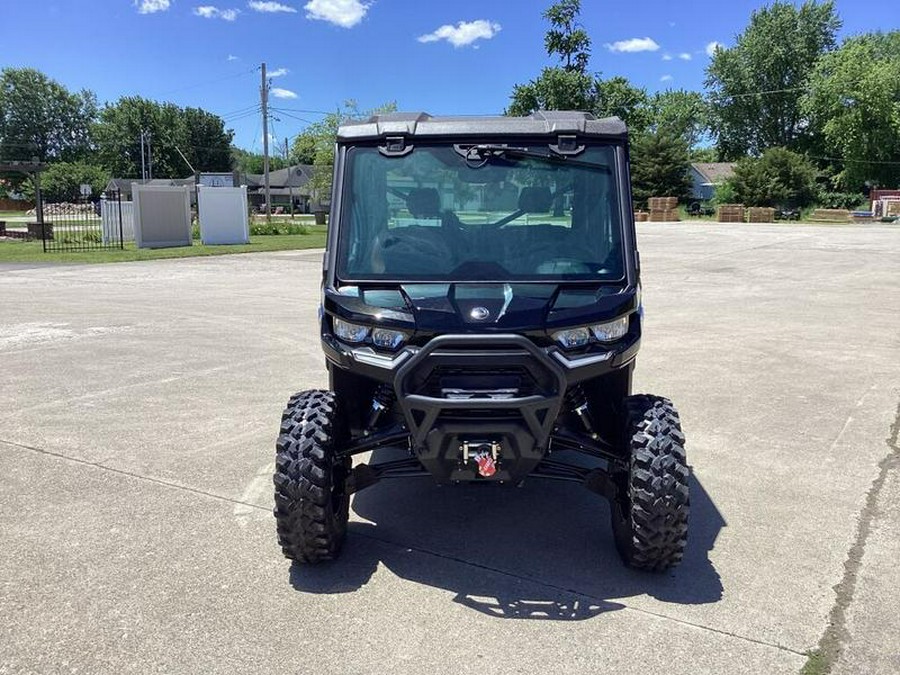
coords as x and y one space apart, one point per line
482 313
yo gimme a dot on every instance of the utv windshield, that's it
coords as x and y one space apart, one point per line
488 213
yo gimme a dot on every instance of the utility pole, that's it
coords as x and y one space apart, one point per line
149 157
264 100
143 161
290 180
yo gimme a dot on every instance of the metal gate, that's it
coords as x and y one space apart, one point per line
84 225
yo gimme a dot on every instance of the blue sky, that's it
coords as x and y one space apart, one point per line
460 57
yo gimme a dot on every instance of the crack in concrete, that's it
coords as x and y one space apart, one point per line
419 550
836 635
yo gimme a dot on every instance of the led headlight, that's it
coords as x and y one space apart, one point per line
386 338
573 337
350 332
611 330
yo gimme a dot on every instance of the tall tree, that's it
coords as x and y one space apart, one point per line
317 143
566 38
680 112
854 98
660 166
618 97
198 135
40 118
755 86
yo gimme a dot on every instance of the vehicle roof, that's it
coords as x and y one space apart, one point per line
541 123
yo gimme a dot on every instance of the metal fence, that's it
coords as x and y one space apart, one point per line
84 225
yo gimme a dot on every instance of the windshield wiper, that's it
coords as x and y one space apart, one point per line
481 154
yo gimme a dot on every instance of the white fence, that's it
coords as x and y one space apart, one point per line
162 216
223 215
109 217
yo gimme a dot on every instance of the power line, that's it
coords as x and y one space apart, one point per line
208 82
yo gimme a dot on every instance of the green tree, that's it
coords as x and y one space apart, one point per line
569 86
199 135
566 37
317 142
660 166
680 112
854 98
778 177
755 87
618 97
41 118
554 89
62 181
206 142
253 162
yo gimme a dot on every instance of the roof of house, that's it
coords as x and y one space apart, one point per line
296 176
124 184
714 173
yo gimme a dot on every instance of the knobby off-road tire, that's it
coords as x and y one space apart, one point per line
311 506
650 514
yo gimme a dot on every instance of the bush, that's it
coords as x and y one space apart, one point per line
62 181
724 194
840 200
778 178
277 227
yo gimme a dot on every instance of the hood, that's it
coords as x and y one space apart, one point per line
473 307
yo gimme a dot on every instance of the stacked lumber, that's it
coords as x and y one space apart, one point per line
731 213
892 207
761 214
831 215
663 209
641 216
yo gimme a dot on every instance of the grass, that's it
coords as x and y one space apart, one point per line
11 214
15 251
816 664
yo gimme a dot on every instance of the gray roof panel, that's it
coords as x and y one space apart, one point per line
423 125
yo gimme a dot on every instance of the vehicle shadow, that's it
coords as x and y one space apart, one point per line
542 551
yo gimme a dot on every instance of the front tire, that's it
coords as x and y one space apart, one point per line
650 512
311 503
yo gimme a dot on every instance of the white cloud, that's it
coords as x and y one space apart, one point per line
278 92
212 12
666 78
232 57
464 33
684 56
270 7
278 72
713 46
343 13
634 45
152 6
667 57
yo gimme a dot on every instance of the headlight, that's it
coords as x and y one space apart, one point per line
573 337
387 339
611 330
350 332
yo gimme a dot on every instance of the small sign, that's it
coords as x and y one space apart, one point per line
86 190
216 179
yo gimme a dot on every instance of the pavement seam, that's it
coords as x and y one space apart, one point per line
129 474
836 635
421 551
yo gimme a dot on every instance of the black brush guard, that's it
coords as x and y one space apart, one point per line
462 389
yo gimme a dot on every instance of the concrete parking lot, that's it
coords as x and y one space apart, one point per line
139 404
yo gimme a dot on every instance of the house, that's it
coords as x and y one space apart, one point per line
707 175
283 185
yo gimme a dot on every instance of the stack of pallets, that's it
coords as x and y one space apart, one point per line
663 209
761 214
731 213
831 215
641 216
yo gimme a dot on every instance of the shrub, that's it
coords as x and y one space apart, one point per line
724 194
778 178
840 200
278 227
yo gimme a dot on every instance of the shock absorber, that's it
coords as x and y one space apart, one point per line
382 401
577 402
